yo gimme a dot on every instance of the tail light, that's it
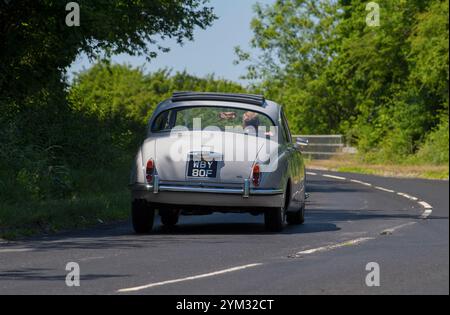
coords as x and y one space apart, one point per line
150 170
256 175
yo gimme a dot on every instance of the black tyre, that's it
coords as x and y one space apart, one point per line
274 219
169 218
295 218
142 216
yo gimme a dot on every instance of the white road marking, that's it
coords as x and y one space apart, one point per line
360 182
311 173
334 246
407 196
334 177
428 209
425 205
427 213
211 274
396 228
384 189
15 250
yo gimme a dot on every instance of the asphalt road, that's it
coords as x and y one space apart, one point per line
348 224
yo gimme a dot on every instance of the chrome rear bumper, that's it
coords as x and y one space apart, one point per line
245 191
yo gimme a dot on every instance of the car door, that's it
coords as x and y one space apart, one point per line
295 162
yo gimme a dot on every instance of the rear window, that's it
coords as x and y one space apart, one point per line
231 119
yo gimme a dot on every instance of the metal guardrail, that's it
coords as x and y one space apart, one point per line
322 147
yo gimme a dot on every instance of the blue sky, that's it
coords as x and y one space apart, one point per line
212 50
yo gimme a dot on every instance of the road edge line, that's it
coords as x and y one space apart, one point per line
201 276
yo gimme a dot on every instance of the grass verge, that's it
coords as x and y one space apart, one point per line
352 164
100 197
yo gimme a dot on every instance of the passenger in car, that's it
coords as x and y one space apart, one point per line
250 122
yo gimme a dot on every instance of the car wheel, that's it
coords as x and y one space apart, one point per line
274 219
142 216
297 217
169 218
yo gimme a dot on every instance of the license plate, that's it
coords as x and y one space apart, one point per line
202 169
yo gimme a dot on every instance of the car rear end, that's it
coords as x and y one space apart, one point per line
217 166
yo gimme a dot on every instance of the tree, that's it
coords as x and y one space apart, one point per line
429 49
36 45
39 132
384 87
296 40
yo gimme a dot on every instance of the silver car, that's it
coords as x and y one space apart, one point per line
215 152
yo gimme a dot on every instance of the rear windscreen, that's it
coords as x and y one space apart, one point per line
224 118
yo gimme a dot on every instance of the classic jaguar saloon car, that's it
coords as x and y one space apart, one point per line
214 152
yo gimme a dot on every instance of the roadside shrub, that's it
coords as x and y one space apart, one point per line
44 176
435 149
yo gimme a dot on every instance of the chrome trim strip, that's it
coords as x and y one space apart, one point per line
236 191
139 186
201 189
205 155
155 184
246 188
266 192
